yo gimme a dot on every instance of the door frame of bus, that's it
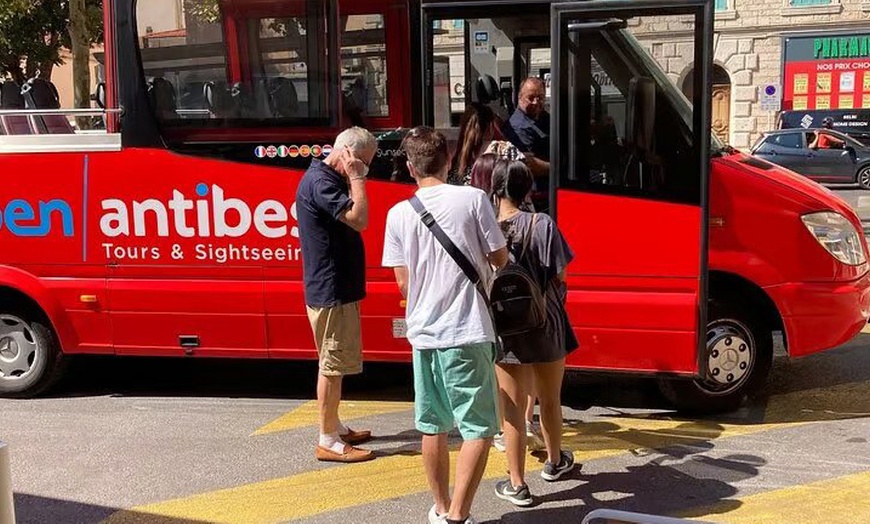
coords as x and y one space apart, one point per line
703 11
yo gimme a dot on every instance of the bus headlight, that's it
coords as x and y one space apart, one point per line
837 235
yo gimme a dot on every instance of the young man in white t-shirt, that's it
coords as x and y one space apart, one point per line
448 323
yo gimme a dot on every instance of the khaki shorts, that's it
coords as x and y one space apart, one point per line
338 337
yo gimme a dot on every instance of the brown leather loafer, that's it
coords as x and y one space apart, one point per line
351 454
356 437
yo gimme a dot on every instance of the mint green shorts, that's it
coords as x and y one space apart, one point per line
456 386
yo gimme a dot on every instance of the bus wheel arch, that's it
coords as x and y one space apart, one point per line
739 353
31 360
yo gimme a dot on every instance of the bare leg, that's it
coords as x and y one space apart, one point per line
512 383
469 470
533 396
436 461
548 378
328 398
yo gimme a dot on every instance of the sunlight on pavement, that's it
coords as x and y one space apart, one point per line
402 474
308 415
838 501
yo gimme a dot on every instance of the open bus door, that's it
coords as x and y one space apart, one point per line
629 169
629 160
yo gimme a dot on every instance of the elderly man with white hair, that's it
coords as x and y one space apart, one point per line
333 210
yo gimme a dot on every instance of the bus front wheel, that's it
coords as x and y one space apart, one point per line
738 356
30 357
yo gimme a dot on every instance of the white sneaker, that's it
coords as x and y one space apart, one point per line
435 518
498 442
534 437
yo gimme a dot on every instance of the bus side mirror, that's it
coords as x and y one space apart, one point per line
641 111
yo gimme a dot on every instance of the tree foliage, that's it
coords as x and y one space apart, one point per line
33 33
204 11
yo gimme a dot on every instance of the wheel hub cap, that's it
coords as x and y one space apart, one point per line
730 356
8 348
18 349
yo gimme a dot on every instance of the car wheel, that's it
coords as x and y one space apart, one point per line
30 357
863 177
738 356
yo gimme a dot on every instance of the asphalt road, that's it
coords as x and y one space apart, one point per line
188 442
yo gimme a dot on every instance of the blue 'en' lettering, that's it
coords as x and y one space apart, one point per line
20 212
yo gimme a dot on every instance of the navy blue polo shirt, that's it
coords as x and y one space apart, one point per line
333 256
530 135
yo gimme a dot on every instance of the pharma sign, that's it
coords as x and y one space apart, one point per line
824 72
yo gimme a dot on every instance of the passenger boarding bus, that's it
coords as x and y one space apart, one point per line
172 232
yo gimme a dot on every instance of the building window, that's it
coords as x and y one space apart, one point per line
811 7
725 10
802 3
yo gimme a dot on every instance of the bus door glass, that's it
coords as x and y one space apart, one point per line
478 56
629 170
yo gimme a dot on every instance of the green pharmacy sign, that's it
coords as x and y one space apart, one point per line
841 47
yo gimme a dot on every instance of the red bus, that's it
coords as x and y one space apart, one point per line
171 232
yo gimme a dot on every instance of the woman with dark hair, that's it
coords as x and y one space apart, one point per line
481 172
536 244
478 128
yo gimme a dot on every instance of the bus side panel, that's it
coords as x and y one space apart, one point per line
42 221
179 234
634 283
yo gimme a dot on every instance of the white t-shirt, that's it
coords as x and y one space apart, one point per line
444 310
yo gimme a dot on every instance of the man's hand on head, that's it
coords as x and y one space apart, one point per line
352 166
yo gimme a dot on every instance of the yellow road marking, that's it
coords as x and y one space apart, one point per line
402 474
837 501
308 415
866 329
836 402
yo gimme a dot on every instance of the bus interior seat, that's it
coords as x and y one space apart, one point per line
261 97
244 99
42 94
11 99
488 89
283 98
161 93
640 170
489 93
218 99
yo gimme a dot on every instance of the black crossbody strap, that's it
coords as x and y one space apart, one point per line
454 252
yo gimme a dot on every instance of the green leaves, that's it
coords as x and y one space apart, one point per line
33 32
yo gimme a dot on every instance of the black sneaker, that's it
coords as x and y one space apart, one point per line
553 472
520 496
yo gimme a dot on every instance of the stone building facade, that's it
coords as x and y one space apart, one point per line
749 45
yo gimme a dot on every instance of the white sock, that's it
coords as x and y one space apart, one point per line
342 429
332 442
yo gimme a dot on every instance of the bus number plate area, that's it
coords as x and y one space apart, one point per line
400 328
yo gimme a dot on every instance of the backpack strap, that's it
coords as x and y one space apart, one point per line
454 252
527 241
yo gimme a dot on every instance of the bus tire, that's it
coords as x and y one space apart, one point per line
30 358
739 356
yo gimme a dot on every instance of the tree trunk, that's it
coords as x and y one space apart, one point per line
81 51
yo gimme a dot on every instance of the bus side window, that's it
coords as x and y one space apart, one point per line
364 67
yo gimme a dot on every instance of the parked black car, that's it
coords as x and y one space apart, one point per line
790 148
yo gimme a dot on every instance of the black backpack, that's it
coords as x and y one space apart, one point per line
516 299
